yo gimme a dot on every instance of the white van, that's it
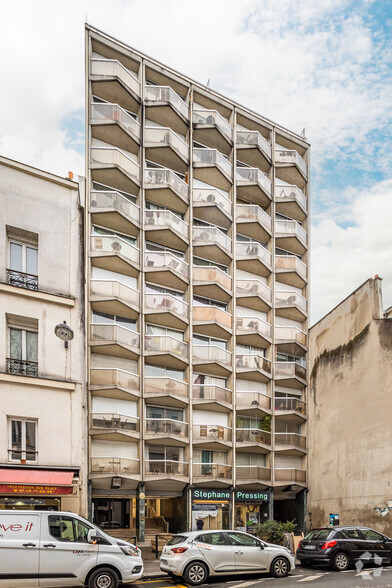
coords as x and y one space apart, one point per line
50 548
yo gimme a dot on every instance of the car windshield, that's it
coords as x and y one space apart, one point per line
177 539
319 534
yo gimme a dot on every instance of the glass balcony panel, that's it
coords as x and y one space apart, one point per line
212 470
212 117
113 68
113 289
114 112
253 213
289 298
211 274
115 465
111 377
122 422
211 392
211 353
285 192
253 139
169 467
212 157
290 439
166 94
291 227
253 361
290 263
253 472
165 219
163 386
283 333
253 436
253 249
253 175
289 369
290 404
212 314
165 177
111 244
253 288
211 236
166 260
114 201
166 344
290 475
166 302
112 156
113 332
246 324
166 427
256 399
211 432
212 196
290 156
165 137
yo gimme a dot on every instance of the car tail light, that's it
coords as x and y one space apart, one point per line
329 544
179 549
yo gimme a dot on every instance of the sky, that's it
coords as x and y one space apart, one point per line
323 66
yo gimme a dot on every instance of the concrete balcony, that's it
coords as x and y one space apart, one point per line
166 468
114 340
252 474
290 409
165 188
166 391
253 257
290 340
212 321
213 244
253 185
290 444
113 167
211 206
212 397
115 465
254 294
166 351
114 427
114 383
291 305
209 281
166 269
291 167
253 222
211 167
253 439
112 124
165 107
290 374
166 431
252 403
211 436
113 297
290 235
215 360
253 149
112 253
291 270
252 330
115 83
113 210
253 366
166 309
291 201
212 473
212 129
290 475
167 229
165 147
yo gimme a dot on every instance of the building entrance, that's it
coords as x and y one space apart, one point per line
111 513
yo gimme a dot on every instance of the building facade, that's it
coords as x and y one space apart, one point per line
42 380
196 272
350 405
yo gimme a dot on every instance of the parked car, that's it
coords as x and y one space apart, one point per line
50 548
199 554
341 546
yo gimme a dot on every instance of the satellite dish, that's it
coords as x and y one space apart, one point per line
64 332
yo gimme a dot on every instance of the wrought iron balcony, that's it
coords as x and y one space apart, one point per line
22 280
22 367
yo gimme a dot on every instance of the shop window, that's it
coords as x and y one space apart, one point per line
22 440
65 528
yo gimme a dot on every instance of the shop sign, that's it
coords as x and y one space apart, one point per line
36 489
251 497
210 495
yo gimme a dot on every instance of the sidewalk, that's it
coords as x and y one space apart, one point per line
151 569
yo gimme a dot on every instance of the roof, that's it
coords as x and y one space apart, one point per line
34 171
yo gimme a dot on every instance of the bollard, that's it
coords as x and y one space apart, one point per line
156 546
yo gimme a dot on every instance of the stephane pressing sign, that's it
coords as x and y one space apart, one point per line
206 495
251 497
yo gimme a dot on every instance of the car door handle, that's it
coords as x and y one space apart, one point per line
49 545
28 544
239 552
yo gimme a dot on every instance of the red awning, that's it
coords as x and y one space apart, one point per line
39 477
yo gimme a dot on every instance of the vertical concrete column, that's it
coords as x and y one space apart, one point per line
231 508
141 512
271 505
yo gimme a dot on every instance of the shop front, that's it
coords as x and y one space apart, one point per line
251 508
211 509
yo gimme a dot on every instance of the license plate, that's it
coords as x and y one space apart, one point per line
164 561
309 547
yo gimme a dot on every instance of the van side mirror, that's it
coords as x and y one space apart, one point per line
92 536
261 545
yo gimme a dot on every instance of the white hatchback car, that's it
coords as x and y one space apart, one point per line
199 554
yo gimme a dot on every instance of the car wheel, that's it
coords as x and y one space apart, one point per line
280 567
196 573
340 562
103 578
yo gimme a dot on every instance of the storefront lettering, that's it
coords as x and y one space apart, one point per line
26 489
251 496
210 494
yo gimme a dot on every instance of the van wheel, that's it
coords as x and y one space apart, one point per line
196 573
340 562
103 578
280 567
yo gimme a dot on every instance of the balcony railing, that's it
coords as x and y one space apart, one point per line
212 117
212 314
119 422
113 201
290 192
286 333
166 427
115 333
291 156
291 227
289 369
165 261
211 196
253 175
254 288
290 263
211 274
290 405
165 178
168 95
22 367
211 353
253 436
166 303
290 475
211 236
211 433
253 249
286 299
212 157
107 157
169 467
113 68
211 392
246 213
161 386
290 439
246 399
115 465
19 455
166 344
253 324
165 137
114 112
22 280
113 245
114 377
253 139
253 361
212 470
165 219
113 289
253 472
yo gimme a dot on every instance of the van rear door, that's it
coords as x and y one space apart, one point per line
19 548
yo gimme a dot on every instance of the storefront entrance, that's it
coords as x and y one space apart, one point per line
210 509
111 513
251 508
27 503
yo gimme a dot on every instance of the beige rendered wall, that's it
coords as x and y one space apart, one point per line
350 409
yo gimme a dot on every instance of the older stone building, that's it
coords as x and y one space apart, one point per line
350 410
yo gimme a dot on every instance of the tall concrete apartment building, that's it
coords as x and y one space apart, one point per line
196 260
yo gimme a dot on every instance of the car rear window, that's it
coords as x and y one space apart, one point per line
177 539
320 534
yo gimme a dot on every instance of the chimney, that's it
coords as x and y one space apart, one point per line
70 175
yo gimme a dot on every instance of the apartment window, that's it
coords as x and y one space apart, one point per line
291 359
154 371
165 453
157 207
103 318
160 248
98 187
162 412
22 440
198 340
200 301
206 263
153 289
105 232
22 258
23 349
249 350
164 332
279 251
